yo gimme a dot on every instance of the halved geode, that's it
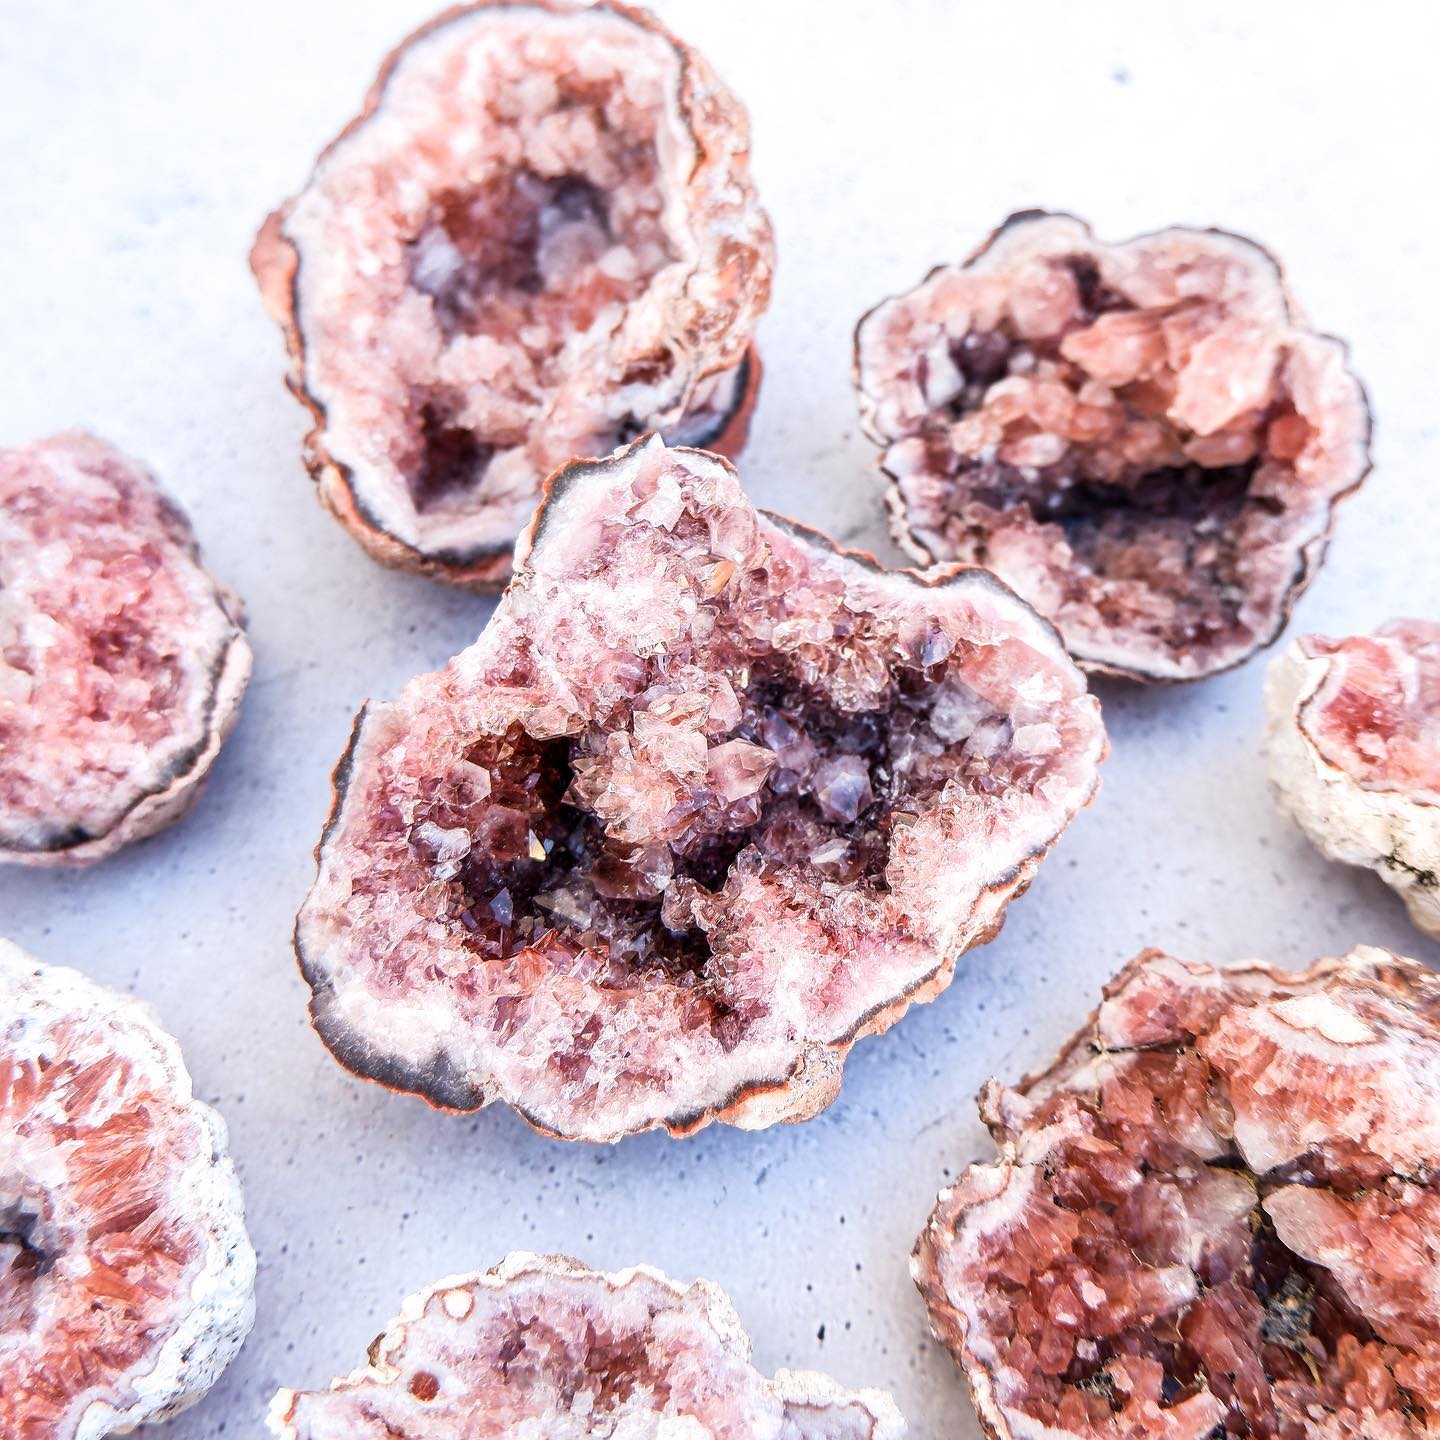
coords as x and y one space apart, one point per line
537 240
1145 439
1216 1214
1352 744
122 659
707 801
543 1346
126 1275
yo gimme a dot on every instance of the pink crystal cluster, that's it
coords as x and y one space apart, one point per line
544 1347
121 659
1216 1214
707 800
1352 747
125 1274
538 240
1377 713
1142 439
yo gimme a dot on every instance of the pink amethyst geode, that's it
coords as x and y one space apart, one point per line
126 1275
1352 744
1217 1214
1145 440
538 239
541 1346
707 801
122 660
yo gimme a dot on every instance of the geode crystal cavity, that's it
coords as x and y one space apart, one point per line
126 1275
543 1347
707 801
122 660
1145 440
1217 1214
1352 743
538 239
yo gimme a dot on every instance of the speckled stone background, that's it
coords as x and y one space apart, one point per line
140 145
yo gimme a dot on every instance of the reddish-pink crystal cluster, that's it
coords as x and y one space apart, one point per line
1217 1214
539 239
707 801
1377 713
1144 440
1353 752
125 1271
541 1346
122 660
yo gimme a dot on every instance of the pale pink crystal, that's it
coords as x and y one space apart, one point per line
541 1346
1217 1214
122 660
717 839
1145 439
539 238
1353 750
125 1272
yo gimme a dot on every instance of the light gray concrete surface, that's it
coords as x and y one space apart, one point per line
140 145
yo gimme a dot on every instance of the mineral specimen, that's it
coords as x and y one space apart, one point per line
1144 440
122 661
541 1346
538 239
707 801
126 1275
1353 746
1216 1215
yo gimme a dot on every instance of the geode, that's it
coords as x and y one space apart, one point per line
126 1276
542 1346
1217 1214
1145 440
122 660
1352 741
707 801
537 240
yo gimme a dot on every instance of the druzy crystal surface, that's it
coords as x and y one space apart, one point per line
122 660
708 800
1144 439
125 1271
539 239
544 1347
1216 1216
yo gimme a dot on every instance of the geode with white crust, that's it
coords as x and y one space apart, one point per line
1352 742
1145 440
122 659
126 1275
1216 1215
707 801
538 239
542 1346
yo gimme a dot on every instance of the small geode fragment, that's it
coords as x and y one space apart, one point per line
1353 748
707 801
122 660
126 1275
1145 440
538 239
542 1346
1216 1214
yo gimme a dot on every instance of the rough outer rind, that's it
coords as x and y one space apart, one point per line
711 318
693 1328
1320 365
409 1040
185 1356
220 657
1186 1005
1392 829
